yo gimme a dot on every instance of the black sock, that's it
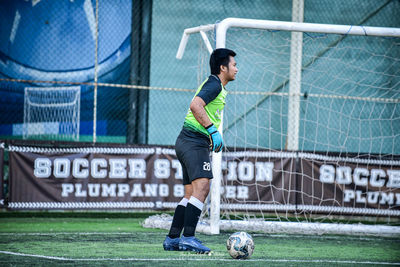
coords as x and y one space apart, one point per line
177 222
192 215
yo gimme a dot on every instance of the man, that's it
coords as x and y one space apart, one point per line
199 135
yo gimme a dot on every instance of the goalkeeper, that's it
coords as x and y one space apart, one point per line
199 135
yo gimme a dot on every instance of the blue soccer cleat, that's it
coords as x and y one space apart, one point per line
191 243
171 243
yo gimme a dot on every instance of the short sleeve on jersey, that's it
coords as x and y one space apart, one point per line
210 90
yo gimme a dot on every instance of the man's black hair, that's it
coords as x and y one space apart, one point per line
220 57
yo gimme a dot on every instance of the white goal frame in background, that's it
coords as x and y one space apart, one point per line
50 126
294 97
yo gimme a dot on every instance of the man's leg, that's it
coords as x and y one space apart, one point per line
179 215
201 187
171 242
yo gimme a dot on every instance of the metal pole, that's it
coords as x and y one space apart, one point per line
140 72
296 50
95 74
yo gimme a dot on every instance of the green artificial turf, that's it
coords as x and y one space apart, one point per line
103 240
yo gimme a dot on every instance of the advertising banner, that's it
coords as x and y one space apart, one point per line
363 185
143 178
151 178
258 180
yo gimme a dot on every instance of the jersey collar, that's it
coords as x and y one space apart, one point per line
218 79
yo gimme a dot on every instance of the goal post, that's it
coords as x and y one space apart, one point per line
359 148
52 113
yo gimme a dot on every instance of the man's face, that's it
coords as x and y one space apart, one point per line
232 69
230 72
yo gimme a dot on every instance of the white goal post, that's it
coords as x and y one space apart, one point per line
52 112
221 29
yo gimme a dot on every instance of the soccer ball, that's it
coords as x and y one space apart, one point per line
240 245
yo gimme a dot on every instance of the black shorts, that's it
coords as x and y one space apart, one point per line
193 152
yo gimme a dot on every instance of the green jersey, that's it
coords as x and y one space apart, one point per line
213 94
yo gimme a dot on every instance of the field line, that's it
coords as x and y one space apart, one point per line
129 233
67 233
194 259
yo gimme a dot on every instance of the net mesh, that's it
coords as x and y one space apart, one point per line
52 113
349 106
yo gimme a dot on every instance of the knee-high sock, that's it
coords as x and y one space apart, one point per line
192 215
177 221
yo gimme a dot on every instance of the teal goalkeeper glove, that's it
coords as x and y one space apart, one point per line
215 138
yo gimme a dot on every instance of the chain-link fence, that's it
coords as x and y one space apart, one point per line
128 47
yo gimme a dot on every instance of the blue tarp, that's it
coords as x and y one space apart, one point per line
55 41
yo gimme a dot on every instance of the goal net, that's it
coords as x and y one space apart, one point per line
311 127
52 113
342 160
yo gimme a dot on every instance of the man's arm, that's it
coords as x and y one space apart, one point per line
197 108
